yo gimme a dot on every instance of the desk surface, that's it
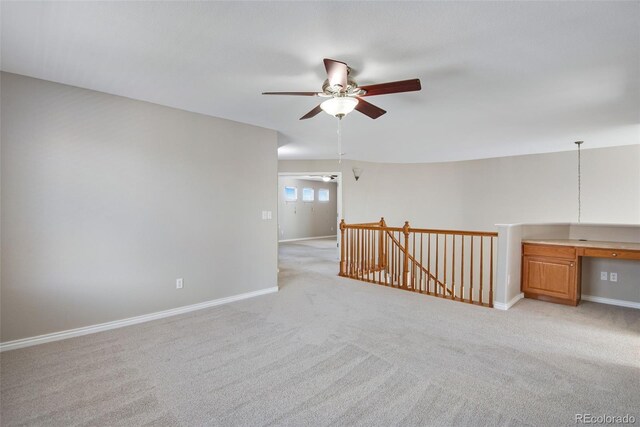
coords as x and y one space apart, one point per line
586 244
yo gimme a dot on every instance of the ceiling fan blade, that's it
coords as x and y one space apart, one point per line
312 113
336 72
392 87
369 109
292 93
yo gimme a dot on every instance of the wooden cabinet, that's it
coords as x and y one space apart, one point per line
551 273
551 268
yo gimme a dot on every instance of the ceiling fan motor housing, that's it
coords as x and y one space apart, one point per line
352 89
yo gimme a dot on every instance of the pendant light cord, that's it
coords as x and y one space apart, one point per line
579 143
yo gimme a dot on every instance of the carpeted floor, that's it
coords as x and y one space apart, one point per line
332 351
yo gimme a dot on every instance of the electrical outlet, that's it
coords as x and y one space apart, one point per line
603 275
179 283
613 277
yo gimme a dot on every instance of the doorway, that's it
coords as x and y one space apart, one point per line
310 208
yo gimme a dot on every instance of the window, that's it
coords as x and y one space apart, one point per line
323 195
308 195
290 194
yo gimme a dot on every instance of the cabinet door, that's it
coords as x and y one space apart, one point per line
549 276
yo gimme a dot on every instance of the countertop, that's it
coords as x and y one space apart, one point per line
586 244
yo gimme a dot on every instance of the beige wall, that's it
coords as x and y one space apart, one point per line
299 219
478 194
106 201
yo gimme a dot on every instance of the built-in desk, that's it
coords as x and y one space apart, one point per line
551 268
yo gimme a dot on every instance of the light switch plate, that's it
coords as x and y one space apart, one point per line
179 283
603 275
613 277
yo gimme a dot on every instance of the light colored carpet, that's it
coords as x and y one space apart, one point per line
333 351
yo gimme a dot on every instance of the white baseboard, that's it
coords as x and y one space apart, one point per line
618 302
507 306
57 336
307 238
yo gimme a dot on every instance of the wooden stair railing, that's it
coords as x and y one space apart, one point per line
443 263
417 264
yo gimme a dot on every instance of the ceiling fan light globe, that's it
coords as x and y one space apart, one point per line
339 106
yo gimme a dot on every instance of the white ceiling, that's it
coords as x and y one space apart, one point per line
498 78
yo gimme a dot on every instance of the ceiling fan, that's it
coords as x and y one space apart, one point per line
344 95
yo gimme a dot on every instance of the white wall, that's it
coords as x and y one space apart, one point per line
299 219
107 200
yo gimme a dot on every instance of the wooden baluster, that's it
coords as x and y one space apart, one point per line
353 252
347 248
380 251
363 255
372 257
377 254
365 233
398 262
437 279
413 264
491 274
342 249
453 269
354 247
357 258
380 245
444 280
366 254
369 265
429 264
398 267
372 254
361 259
421 264
389 258
471 274
481 265
386 261
462 269
393 259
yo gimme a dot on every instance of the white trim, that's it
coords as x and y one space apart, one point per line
57 336
307 238
507 306
618 302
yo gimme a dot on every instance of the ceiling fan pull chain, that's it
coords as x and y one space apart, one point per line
339 140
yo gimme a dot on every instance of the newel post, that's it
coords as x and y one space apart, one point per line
405 266
382 256
342 250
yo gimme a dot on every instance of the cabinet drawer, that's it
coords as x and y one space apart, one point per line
565 252
612 253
